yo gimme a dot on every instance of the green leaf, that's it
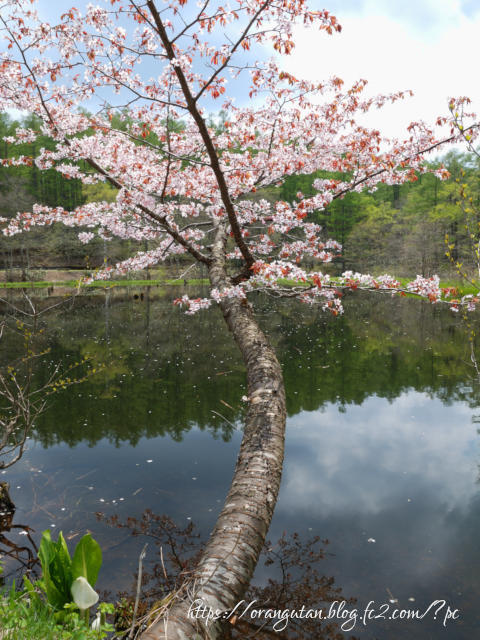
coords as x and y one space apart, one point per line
56 569
63 554
61 568
87 560
28 585
46 551
54 596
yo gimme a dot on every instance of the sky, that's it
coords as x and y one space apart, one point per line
428 46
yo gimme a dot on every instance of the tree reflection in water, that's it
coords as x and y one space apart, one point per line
24 557
295 563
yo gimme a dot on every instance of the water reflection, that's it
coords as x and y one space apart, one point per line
296 582
175 374
381 457
378 454
22 556
394 486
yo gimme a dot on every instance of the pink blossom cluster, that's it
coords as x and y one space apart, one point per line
85 236
426 287
177 176
469 301
192 305
363 280
228 292
329 300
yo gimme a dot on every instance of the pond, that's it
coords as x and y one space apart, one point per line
381 454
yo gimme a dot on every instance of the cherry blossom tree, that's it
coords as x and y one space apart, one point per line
157 67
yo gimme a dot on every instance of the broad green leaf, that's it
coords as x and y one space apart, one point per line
87 560
46 551
54 597
61 570
56 569
62 550
61 567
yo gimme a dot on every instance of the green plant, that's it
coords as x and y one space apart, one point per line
24 615
66 580
57 606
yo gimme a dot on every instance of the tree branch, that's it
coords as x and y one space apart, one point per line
202 128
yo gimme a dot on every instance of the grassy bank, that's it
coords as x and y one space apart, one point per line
100 284
162 278
43 279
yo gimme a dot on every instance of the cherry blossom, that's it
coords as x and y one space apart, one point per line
124 91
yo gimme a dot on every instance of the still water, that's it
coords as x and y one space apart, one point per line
382 449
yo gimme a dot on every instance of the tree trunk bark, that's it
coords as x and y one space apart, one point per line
230 557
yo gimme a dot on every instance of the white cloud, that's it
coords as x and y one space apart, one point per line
429 48
368 459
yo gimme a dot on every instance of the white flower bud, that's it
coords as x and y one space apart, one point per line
83 594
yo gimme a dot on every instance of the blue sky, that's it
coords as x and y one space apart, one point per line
429 46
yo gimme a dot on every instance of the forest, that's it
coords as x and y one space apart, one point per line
402 229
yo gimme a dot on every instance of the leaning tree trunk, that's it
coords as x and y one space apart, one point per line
230 557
